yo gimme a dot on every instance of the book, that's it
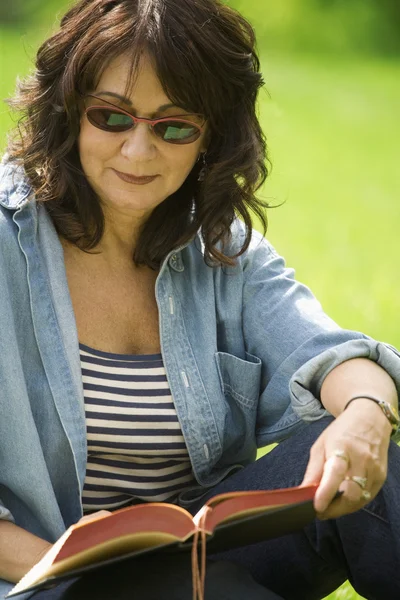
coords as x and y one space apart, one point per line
226 521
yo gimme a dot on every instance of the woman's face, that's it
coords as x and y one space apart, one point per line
108 159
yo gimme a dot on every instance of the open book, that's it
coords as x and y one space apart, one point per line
225 521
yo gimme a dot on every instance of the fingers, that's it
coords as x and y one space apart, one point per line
359 480
350 501
315 467
329 472
350 456
334 472
355 473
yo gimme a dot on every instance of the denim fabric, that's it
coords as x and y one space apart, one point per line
246 350
363 547
173 581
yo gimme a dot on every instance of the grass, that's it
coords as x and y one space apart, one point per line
332 130
332 127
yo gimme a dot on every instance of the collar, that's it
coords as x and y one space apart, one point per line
15 189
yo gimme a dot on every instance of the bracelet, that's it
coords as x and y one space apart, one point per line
388 410
361 397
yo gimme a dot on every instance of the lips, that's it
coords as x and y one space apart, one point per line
133 179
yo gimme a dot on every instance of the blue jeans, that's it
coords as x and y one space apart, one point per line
363 547
168 577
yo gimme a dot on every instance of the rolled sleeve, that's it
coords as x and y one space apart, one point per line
298 344
5 514
306 383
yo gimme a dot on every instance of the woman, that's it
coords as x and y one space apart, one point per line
150 340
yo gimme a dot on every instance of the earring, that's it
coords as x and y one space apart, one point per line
203 171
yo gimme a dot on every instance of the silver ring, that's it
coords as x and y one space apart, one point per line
361 481
341 454
365 495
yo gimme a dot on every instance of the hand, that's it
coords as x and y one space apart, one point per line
362 433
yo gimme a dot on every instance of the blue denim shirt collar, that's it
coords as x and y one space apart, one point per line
15 189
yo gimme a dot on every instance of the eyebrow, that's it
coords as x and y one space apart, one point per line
127 101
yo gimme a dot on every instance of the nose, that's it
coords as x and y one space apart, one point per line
138 144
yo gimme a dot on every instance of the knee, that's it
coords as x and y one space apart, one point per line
289 459
229 581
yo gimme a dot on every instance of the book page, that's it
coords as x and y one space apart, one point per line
127 530
236 505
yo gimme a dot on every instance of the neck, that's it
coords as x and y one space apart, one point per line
121 233
117 246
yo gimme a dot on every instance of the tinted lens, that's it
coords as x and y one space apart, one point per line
109 120
177 132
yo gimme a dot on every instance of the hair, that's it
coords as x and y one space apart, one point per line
204 54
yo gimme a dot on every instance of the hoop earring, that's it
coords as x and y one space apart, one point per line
203 170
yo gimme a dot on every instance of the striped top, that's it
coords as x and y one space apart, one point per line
136 449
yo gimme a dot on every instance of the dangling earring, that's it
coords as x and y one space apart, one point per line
203 171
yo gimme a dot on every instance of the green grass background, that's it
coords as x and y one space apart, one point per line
331 116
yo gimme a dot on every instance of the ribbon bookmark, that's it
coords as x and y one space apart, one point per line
199 570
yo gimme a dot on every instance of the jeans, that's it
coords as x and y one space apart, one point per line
160 578
363 547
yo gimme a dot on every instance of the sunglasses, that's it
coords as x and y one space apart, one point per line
174 130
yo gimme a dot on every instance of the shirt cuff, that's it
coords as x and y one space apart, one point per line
305 385
5 514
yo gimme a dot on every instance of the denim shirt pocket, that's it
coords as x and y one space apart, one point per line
240 379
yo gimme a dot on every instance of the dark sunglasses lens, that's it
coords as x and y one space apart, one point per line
109 120
177 132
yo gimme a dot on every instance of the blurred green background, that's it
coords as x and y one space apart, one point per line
331 114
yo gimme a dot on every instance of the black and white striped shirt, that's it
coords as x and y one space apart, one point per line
136 449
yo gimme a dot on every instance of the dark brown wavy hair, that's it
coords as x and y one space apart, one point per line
204 53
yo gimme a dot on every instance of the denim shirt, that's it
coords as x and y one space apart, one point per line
245 348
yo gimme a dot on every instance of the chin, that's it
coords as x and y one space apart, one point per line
134 199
